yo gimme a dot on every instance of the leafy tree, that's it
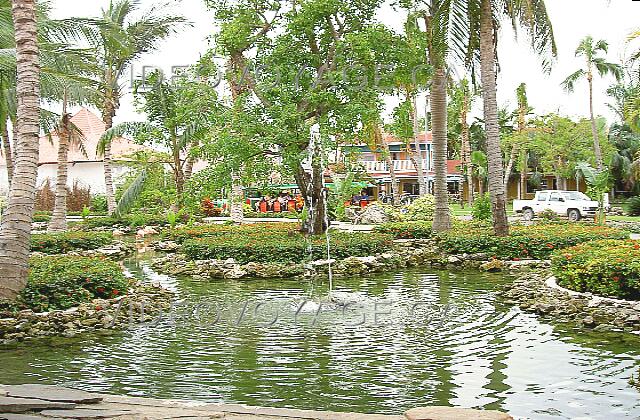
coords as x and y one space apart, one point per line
462 97
591 50
624 159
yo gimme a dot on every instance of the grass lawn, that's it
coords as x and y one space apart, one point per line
624 218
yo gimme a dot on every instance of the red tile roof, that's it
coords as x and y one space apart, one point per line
92 128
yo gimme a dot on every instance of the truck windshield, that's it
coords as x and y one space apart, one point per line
575 196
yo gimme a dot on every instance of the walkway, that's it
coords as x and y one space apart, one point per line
38 402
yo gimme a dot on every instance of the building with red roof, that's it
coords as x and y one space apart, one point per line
85 169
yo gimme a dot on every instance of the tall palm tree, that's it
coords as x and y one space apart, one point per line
485 17
590 50
119 39
69 136
460 104
15 231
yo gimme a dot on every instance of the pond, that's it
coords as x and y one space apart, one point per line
384 344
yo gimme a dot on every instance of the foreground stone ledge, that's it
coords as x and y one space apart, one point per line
47 402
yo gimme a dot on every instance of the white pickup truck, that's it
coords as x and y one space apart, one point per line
573 204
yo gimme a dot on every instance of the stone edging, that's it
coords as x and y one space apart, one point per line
552 282
46 401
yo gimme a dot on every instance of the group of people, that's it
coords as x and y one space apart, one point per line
362 199
283 202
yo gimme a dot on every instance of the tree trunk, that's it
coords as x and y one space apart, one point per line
466 149
594 128
314 198
523 174
441 218
8 153
15 231
59 218
237 199
489 88
107 117
188 168
416 155
395 185
510 163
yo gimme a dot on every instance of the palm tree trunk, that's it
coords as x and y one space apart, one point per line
188 168
441 218
237 199
59 218
395 185
416 155
107 117
489 88
523 174
15 231
594 128
8 153
466 149
510 163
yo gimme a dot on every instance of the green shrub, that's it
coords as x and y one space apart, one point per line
283 246
406 230
41 218
134 220
537 241
421 209
549 215
481 209
633 206
63 282
259 229
606 268
60 243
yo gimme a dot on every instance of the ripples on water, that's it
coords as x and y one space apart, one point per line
439 339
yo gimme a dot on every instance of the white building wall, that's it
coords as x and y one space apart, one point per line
88 174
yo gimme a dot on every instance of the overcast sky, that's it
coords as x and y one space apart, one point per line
572 19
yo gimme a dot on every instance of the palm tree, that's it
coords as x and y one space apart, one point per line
118 40
461 100
590 50
15 231
485 17
69 136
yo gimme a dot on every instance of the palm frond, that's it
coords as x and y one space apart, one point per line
128 128
569 83
131 194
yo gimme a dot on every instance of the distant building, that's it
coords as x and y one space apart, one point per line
376 167
87 171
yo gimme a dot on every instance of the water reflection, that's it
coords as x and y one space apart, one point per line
458 346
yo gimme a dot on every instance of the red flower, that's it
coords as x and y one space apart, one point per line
98 308
550 246
616 278
100 289
115 292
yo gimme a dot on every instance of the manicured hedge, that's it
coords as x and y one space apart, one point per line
406 230
259 229
283 247
606 268
60 243
62 282
536 241
134 221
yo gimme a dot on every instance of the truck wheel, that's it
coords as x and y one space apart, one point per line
574 215
527 214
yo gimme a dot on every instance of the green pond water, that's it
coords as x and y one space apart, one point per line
438 338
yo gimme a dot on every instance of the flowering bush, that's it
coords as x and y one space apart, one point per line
281 246
606 268
260 229
406 230
60 243
537 241
63 282
421 209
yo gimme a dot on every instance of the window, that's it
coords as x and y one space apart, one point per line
556 197
543 196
